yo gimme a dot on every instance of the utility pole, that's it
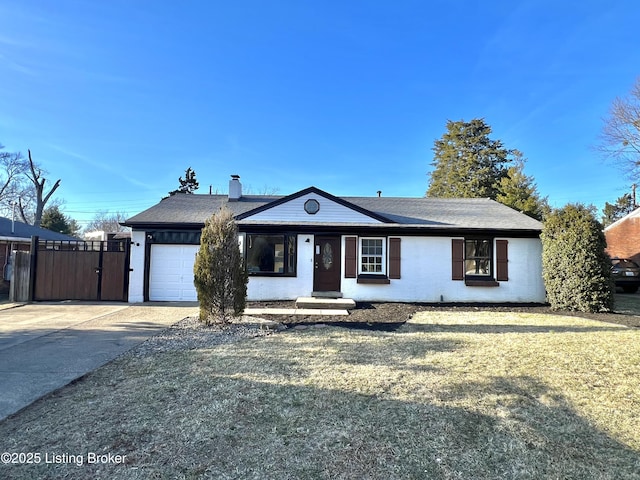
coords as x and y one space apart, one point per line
13 217
633 195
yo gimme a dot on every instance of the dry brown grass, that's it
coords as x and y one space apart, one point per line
451 395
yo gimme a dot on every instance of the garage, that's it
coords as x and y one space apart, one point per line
171 273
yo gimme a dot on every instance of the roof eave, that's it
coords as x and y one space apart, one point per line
452 230
9 238
164 225
396 228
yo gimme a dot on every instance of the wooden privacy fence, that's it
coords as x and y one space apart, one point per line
73 270
20 276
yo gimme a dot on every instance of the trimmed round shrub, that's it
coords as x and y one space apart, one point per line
575 267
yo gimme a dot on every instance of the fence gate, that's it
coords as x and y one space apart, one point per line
82 270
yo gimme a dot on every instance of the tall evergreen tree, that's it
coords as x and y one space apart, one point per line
56 221
616 211
518 190
468 163
188 184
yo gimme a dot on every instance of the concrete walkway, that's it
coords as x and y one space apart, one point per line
44 346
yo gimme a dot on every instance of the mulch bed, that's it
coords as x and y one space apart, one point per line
389 313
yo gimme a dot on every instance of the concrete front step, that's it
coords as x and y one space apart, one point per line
327 294
325 303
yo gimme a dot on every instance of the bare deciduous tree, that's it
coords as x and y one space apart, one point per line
620 137
35 176
264 190
108 222
13 166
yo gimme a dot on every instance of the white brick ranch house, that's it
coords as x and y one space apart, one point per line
365 248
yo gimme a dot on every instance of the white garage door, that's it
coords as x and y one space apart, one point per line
171 273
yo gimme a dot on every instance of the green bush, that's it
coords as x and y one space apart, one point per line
575 267
219 274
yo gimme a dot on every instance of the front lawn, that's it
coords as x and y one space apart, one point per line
451 395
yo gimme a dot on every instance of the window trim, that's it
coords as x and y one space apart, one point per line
459 259
287 238
478 276
373 275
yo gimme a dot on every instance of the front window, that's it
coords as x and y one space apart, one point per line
271 254
372 256
477 257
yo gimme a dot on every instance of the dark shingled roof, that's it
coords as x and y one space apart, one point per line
194 209
423 213
475 213
24 231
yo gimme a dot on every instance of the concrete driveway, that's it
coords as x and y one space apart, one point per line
44 346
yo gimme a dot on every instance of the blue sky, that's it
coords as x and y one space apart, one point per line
117 98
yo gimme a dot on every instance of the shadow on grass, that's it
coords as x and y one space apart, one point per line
497 328
215 415
316 404
376 327
280 355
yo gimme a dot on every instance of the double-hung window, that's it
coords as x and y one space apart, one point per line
373 256
478 257
480 261
374 260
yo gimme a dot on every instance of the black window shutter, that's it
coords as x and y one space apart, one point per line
394 258
457 259
351 257
502 260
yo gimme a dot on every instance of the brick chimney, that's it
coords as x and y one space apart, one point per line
235 188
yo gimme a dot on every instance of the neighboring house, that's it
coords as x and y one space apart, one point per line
16 235
623 237
101 235
365 248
